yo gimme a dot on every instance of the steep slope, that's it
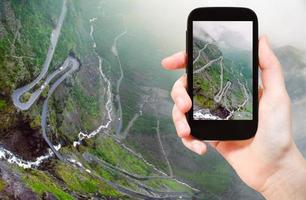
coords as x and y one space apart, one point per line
102 168
146 160
222 82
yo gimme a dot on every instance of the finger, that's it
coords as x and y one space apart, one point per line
271 75
194 145
260 91
176 61
214 143
180 122
180 96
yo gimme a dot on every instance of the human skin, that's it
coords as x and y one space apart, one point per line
270 163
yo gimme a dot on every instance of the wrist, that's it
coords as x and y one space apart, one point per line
289 180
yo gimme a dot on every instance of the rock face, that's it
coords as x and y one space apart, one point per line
48 196
13 187
25 142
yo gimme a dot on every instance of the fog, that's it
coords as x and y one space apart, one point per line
284 22
227 33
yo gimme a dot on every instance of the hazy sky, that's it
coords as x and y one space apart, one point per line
238 33
283 21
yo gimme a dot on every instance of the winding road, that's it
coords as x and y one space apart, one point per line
53 43
70 65
137 178
74 65
204 114
4 153
134 119
201 50
207 65
162 149
218 96
246 94
115 52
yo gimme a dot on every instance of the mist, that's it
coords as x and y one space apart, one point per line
282 21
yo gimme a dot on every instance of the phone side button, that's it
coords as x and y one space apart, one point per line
187 51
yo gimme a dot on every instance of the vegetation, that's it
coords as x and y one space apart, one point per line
2 185
45 91
207 83
40 183
73 102
44 14
82 182
2 104
25 97
74 37
204 102
88 104
35 124
114 154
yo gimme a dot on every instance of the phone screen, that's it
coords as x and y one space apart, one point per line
222 70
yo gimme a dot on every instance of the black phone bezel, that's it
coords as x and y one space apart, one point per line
223 129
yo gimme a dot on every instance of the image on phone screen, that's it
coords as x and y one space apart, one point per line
222 70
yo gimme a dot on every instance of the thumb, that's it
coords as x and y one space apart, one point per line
271 72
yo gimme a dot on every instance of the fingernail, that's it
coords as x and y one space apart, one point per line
181 128
164 61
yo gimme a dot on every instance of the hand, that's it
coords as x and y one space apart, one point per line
268 162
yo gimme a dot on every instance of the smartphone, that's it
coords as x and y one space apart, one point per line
222 73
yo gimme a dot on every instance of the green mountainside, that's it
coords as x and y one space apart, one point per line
103 167
146 160
222 80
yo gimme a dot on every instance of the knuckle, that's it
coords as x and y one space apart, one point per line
173 93
175 115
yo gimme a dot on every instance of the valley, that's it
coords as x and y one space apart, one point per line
85 106
72 63
223 96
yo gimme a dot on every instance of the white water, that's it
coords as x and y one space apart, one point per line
109 105
6 154
11 158
205 115
77 163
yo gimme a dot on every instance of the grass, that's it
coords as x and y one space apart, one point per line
204 102
215 180
171 185
110 151
44 14
114 154
82 182
2 104
40 183
73 36
2 185
88 104
110 175
145 124
36 123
